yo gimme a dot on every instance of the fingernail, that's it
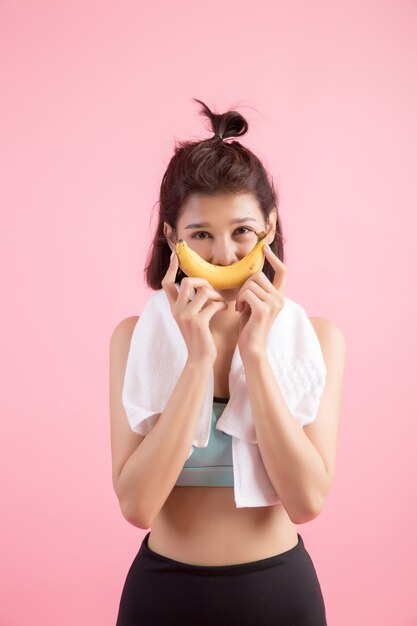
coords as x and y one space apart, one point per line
267 246
172 256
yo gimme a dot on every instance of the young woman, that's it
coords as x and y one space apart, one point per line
205 561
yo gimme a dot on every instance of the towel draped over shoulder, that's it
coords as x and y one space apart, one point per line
156 359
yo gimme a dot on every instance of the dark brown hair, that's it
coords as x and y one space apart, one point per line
207 168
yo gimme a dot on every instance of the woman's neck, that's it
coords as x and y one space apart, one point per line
226 323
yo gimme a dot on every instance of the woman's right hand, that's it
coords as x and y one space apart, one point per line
193 312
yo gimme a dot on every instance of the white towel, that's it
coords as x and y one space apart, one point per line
157 357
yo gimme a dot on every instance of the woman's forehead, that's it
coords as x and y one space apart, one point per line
222 207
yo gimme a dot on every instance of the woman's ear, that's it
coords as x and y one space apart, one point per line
271 226
170 236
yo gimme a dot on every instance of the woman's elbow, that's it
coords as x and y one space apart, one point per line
308 513
133 517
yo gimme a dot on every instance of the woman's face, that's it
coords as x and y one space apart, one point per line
221 229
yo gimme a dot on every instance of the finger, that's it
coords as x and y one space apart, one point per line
251 304
256 290
204 296
189 286
168 282
261 281
212 308
279 267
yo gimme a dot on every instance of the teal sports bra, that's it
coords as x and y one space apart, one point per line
211 466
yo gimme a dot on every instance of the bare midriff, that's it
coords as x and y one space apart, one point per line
202 526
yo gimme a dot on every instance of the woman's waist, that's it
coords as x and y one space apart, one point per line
215 532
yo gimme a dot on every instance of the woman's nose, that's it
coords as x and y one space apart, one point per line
223 253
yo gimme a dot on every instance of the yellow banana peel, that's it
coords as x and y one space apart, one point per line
219 276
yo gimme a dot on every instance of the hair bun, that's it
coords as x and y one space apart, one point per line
224 125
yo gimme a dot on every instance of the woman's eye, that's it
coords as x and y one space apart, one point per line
194 236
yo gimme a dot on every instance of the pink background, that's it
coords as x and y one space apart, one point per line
94 95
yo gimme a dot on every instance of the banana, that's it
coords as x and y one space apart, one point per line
219 276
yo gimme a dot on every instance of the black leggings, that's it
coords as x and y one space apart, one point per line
276 591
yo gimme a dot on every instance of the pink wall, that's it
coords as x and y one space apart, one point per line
93 96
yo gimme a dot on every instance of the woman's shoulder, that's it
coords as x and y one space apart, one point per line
328 332
124 329
323 323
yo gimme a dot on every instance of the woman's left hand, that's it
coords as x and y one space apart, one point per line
259 302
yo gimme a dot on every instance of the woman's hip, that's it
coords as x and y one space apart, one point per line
281 589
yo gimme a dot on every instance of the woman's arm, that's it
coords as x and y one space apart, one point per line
146 478
299 467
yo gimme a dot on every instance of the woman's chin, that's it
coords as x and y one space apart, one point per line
228 293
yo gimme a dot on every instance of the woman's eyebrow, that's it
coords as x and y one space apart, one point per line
237 220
